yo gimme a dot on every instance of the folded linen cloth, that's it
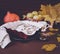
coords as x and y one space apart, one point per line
4 38
25 26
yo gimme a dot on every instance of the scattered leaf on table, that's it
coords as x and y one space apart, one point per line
49 47
58 39
52 29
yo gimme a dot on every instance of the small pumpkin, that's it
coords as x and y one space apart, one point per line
11 17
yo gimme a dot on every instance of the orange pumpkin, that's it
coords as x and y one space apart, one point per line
11 17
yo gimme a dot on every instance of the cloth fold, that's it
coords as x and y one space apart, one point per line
4 38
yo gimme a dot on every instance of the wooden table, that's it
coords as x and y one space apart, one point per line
31 47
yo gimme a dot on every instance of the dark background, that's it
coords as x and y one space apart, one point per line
22 6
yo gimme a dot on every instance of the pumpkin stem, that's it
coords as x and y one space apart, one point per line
8 12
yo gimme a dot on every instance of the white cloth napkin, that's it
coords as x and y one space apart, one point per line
25 26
